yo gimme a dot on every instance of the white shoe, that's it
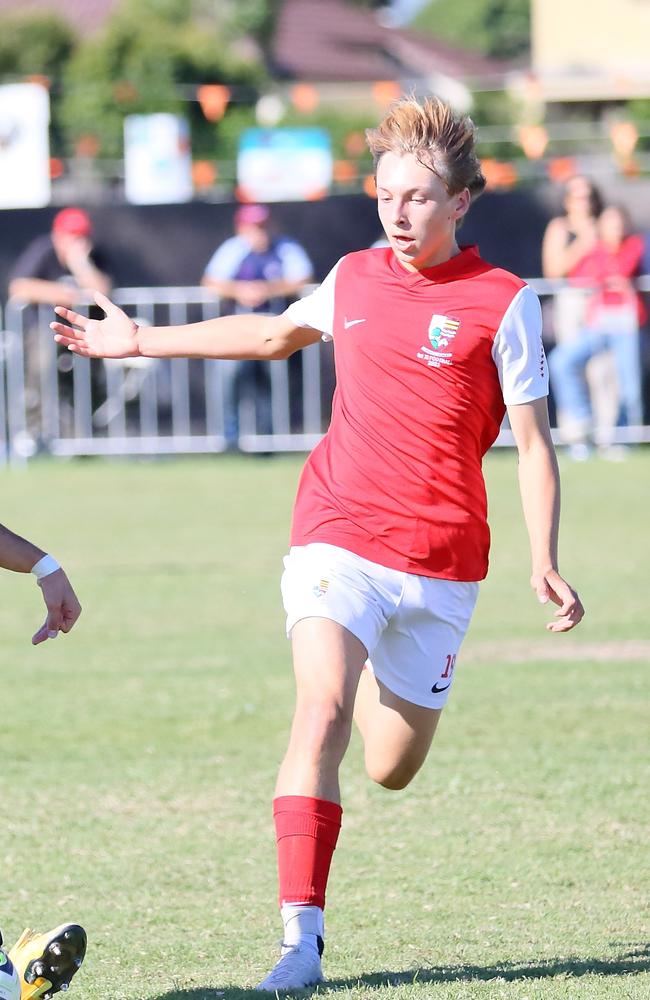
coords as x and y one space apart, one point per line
298 966
580 451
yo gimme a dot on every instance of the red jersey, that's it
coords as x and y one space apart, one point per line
600 269
425 363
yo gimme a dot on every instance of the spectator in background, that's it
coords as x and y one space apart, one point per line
63 263
258 272
567 239
614 310
60 265
570 236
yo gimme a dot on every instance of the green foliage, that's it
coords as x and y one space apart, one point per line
149 52
494 107
639 113
499 28
35 43
251 17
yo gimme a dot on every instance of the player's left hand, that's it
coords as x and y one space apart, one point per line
550 586
63 607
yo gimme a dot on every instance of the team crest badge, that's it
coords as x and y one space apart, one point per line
321 588
442 329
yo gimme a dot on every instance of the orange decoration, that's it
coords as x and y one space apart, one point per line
204 173
343 171
631 167
499 174
243 196
561 168
369 186
87 146
125 92
386 91
214 99
533 139
43 81
355 143
56 168
304 98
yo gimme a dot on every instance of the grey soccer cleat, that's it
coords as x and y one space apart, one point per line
298 966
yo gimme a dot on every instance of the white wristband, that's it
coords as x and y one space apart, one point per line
44 567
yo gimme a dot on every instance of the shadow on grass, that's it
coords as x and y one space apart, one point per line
634 960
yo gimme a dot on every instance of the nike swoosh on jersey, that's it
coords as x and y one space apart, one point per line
347 323
436 690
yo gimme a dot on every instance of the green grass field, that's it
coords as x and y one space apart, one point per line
139 753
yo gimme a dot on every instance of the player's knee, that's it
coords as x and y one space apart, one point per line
321 724
392 775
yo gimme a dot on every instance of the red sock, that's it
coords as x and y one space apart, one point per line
306 833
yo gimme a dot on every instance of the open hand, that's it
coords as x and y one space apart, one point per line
550 586
116 336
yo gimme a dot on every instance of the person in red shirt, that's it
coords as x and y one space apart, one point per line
614 311
389 537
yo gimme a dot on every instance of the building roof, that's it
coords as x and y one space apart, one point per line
327 40
87 16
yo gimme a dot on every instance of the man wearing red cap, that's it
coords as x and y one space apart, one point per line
61 265
256 272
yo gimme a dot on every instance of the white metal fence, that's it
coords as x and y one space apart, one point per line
64 405
56 402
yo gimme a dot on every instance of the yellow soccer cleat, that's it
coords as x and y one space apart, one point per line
47 962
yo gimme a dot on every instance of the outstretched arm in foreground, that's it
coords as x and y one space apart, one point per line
63 608
247 337
539 483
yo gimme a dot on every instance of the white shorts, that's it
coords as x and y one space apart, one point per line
412 626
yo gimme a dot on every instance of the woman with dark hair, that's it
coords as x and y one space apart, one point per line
570 236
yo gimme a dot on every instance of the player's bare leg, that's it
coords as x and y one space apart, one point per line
328 661
396 733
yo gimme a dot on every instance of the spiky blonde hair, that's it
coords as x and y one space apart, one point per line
440 139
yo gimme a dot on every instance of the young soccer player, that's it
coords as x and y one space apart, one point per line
389 535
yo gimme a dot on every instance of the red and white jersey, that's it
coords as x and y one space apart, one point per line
425 363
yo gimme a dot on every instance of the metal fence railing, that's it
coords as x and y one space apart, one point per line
65 405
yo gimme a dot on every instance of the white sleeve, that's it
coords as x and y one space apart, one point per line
225 261
317 309
518 351
296 265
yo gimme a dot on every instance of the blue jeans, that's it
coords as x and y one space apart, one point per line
568 361
245 379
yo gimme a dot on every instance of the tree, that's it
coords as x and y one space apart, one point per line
146 60
498 28
37 43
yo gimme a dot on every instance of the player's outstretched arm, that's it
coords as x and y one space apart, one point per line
245 337
539 484
63 608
